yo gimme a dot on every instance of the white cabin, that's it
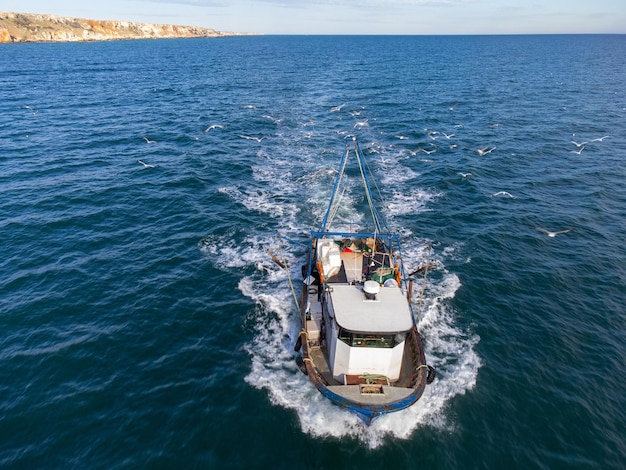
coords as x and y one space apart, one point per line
366 323
366 335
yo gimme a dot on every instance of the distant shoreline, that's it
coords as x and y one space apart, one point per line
27 27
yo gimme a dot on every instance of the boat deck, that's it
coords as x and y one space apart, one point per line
355 267
317 347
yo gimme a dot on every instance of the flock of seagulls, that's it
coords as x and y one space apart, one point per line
581 145
432 148
486 150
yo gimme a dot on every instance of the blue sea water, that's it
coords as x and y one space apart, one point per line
142 323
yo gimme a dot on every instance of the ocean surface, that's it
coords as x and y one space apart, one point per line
143 324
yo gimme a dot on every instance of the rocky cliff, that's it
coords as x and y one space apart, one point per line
24 27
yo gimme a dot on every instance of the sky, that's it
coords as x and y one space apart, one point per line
352 16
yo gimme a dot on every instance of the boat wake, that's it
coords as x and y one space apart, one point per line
274 326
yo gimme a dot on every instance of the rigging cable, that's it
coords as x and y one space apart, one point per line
286 268
367 190
428 265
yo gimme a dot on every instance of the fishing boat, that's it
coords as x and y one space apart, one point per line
359 344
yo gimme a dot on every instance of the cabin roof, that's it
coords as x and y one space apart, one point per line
389 313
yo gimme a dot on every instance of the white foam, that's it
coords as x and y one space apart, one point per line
276 320
411 202
448 349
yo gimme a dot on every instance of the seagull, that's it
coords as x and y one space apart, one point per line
448 136
258 139
145 165
361 124
485 150
552 234
579 151
213 126
420 149
465 175
337 108
503 193
271 118
497 124
577 144
600 139
148 141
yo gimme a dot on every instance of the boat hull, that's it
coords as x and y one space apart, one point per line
351 397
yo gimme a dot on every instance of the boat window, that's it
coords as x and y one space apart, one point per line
370 340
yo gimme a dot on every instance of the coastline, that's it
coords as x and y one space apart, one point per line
27 27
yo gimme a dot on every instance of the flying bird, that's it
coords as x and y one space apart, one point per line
485 150
579 151
213 126
421 149
503 193
600 139
258 139
145 165
271 118
577 144
552 234
148 141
